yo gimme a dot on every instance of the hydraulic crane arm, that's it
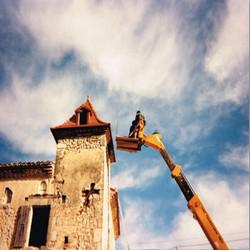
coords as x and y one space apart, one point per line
193 201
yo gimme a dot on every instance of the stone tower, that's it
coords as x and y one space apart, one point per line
84 154
71 206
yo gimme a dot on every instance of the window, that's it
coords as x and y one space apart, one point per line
83 116
66 239
8 195
43 188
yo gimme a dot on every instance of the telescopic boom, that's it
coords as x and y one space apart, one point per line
193 201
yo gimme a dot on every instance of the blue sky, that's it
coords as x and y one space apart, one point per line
184 64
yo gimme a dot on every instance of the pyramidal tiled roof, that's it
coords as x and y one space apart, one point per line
93 120
85 121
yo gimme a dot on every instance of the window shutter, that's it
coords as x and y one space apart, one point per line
21 226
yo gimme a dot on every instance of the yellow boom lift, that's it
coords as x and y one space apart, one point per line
133 143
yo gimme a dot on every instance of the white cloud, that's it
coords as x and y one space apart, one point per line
236 157
132 178
141 54
231 46
189 133
133 50
227 58
227 204
233 91
136 223
29 111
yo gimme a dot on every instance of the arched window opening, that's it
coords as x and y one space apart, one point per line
43 187
8 195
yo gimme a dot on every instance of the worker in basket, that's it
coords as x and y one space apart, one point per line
137 128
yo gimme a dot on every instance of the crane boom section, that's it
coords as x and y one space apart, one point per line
194 202
206 223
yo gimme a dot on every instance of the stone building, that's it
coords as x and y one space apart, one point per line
66 204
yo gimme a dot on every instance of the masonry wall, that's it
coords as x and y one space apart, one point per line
80 162
7 220
81 227
21 189
72 224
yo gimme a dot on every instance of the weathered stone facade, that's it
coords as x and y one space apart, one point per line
80 162
74 199
7 216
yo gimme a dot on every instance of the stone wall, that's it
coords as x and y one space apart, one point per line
22 189
73 223
80 162
7 221
81 225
